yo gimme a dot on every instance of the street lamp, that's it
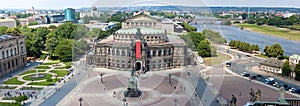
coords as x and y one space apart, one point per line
80 100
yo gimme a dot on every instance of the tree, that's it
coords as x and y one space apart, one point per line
33 23
213 36
66 30
42 32
34 44
3 30
274 51
52 27
64 50
51 42
286 69
80 47
20 99
80 31
13 30
204 49
297 72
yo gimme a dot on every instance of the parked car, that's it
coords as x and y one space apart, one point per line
228 63
245 74
292 89
259 76
276 84
253 77
27 65
297 91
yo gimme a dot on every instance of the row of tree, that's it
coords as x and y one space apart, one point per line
63 42
197 41
243 46
275 21
188 27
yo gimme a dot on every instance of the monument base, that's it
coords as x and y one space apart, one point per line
132 93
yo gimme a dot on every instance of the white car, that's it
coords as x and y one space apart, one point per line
27 64
292 89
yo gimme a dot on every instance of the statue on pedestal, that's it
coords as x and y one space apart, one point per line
258 95
252 95
281 92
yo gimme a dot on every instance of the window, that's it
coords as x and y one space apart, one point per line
11 52
22 49
123 53
12 63
153 52
7 55
8 64
17 62
118 52
15 49
3 55
159 53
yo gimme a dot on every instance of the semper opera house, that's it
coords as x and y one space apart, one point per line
143 43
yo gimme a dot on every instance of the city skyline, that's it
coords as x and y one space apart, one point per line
57 4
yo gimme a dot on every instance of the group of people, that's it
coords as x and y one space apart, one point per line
29 93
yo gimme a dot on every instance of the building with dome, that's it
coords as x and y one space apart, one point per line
144 46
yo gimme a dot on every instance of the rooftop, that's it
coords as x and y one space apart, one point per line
144 30
295 56
7 20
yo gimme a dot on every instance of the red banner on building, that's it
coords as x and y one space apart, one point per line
138 49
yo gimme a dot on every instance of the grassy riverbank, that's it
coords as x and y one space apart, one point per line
268 30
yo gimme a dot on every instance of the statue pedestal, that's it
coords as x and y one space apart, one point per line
132 90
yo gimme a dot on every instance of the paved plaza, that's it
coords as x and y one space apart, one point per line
228 83
155 86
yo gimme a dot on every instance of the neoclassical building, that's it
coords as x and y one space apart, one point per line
144 46
12 53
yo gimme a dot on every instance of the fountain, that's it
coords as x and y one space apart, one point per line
37 75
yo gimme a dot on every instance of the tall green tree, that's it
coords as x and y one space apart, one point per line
51 42
66 30
3 30
274 51
13 30
64 50
43 32
34 44
286 69
297 72
204 49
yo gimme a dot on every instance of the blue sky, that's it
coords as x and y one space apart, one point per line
61 4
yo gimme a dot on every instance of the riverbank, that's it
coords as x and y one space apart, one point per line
268 30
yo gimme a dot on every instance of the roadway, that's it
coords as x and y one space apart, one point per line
244 63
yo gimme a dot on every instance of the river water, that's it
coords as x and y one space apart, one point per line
235 33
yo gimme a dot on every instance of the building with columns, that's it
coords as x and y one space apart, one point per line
144 46
12 53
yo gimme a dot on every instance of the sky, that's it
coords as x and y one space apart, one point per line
61 4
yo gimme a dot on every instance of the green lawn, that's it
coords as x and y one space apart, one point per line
27 77
31 71
44 83
42 67
9 104
62 67
32 88
8 87
51 62
14 81
263 56
221 57
268 30
295 27
60 73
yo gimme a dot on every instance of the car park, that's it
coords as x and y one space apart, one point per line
245 74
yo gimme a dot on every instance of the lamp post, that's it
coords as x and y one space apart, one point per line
80 100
